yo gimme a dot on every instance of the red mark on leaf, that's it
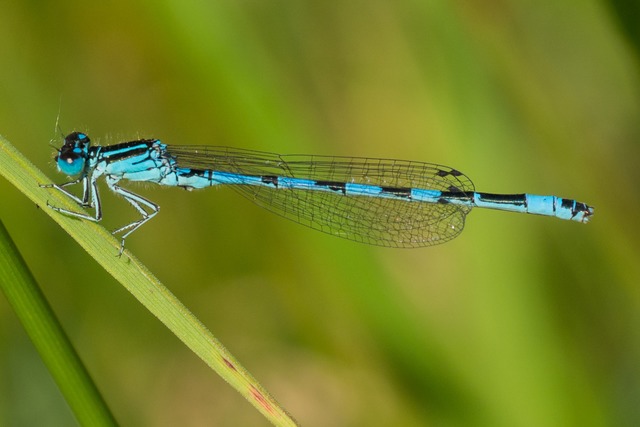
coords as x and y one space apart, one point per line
229 364
261 400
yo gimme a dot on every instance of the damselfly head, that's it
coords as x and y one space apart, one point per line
72 156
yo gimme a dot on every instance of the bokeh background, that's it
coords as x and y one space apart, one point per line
521 321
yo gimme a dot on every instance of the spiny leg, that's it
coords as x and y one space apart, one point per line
90 197
137 202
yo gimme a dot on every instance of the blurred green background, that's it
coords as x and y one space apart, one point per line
521 321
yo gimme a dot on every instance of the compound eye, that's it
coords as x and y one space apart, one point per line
70 162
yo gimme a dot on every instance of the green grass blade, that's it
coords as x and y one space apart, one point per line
46 333
138 280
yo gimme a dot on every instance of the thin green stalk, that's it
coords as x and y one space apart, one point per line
46 333
138 280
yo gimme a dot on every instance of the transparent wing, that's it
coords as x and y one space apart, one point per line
377 221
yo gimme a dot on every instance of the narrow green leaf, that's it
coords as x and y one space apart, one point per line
46 333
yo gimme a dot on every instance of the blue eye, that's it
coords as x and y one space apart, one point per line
72 156
70 162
